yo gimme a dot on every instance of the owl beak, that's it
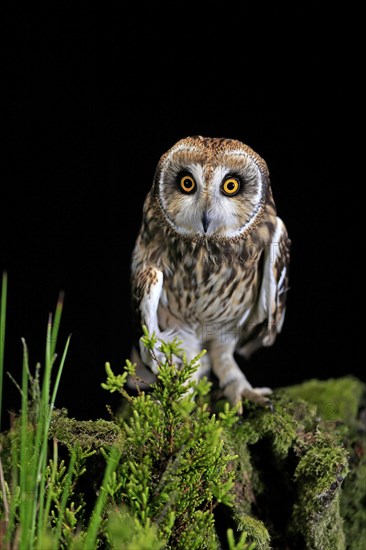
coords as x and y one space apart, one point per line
205 221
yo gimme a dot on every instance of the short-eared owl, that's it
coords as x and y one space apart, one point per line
210 264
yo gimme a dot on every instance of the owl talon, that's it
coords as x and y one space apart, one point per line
261 401
236 393
255 395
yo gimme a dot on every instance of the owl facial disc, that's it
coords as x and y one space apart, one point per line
207 190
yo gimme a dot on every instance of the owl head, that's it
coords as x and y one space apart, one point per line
211 187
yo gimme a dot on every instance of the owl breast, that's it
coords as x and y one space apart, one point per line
202 291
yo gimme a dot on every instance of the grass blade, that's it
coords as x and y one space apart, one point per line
4 288
56 322
14 449
58 377
46 408
43 524
45 414
27 482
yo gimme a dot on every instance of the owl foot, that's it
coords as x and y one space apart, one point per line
237 391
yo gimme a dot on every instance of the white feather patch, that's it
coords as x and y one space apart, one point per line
149 304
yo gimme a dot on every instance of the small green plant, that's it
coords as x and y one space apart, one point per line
174 470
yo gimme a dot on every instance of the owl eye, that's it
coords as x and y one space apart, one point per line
187 183
231 186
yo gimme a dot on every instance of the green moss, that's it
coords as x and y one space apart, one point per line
322 530
294 456
335 510
256 531
322 467
353 510
262 440
279 425
336 399
246 481
89 434
353 496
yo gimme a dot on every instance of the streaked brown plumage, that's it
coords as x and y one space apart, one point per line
210 264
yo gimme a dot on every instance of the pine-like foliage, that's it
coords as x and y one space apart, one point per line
174 469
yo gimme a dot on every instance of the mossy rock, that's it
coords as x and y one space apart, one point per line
335 399
300 468
340 494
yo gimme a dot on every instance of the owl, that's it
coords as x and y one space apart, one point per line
210 262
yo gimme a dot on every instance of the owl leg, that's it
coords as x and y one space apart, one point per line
232 380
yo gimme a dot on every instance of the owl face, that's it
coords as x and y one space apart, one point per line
211 187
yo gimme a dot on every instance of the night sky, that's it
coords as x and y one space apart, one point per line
93 101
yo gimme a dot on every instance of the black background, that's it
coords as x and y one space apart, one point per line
92 101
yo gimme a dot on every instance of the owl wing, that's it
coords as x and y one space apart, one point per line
266 319
147 283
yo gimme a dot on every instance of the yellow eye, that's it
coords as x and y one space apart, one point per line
187 183
231 186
